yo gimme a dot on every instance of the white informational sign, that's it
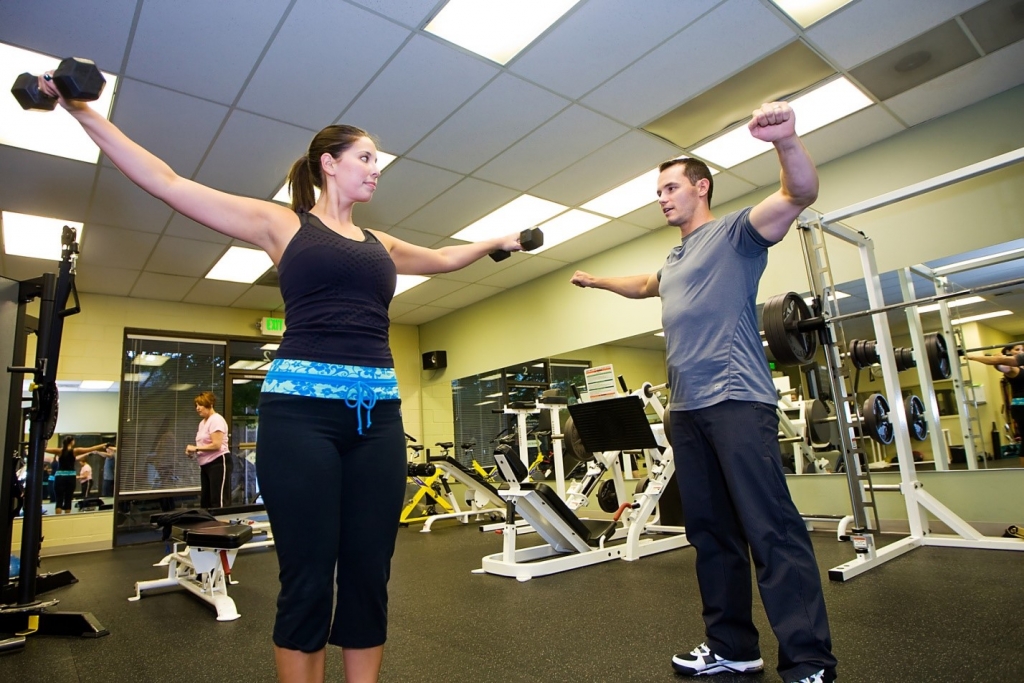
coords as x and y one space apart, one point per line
600 381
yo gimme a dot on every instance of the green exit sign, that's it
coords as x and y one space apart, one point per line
273 327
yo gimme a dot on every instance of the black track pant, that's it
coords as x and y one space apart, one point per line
64 491
737 506
215 483
334 499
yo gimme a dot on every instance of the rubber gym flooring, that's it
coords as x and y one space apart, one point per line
934 614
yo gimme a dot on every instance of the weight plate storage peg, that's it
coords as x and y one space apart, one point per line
782 315
916 417
875 419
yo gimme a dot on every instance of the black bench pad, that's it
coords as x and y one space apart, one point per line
212 534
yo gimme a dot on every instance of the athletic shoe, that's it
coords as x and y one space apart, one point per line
818 677
703 662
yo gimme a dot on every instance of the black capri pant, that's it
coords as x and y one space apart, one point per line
64 491
334 499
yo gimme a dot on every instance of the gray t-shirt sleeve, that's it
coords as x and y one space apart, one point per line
745 239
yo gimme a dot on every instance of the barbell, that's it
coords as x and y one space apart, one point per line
791 329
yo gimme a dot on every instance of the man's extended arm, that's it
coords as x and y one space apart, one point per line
630 286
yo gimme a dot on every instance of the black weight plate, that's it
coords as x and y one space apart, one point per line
871 352
789 345
916 417
572 444
854 353
938 358
820 430
606 496
875 414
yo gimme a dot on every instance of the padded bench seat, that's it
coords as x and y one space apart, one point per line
212 534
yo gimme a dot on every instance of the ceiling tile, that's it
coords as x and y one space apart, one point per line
467 296
603 37
429 291
120 203
466 202
312 71
177 256
104 279
651 217
180 226
162 287
22 268
996 23
176 44
411 13
28 179
215 292
861 30
782 73
622 160
98 31
504 111
917 61
398 308
523 270
639 93
406 186
572 134
107 247
422 314
423 85
478 270
260 298
854 132
729 187
252 155
600 239
760 171
420 239
175 127
970 83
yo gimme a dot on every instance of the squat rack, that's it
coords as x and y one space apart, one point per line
813 226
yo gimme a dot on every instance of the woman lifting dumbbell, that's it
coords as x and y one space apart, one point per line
1009 362
330 400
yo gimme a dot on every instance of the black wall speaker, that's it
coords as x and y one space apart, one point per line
435 360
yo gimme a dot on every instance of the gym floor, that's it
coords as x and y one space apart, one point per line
933 614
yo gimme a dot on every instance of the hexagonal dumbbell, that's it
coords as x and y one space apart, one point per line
76 79
530 239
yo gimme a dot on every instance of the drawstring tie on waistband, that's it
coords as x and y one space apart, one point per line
361 396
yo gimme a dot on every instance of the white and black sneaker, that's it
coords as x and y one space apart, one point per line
701 661
817 677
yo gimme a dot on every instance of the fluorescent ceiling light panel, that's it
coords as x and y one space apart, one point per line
497 395
49 132
407 282
659 334
153 360
521 213
484 403
629 196
95 384
240 381
239 264
952 303
819 107
496 29
806 12
839 295
980 316
570 224
963 265
284 195
270 347
34 236
136 376
246 364
180 387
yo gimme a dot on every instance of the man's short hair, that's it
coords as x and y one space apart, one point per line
694 170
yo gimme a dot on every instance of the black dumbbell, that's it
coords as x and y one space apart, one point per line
76 79
420 469
530 239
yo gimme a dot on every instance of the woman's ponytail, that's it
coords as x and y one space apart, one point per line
301 184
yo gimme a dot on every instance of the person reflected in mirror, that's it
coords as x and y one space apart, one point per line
1010 362
84 480
211 452
330 402
109 469
723 416
65 475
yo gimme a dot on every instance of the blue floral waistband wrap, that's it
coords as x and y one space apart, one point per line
359 386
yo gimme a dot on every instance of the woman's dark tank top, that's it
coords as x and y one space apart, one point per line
336 295
1016 384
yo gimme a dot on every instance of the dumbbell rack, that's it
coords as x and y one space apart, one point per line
858 475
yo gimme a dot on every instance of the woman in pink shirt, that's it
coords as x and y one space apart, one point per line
211 452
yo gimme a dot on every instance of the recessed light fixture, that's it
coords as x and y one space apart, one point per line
980 316
95 384
839 295
246 364
806 12
572 223
952 303
270 347
496 29
153 360
54 133
659 334
239 264
136 376
35 236
497 395
284 195
484 403
980 260
817 108
180 387
407 282
521 213
629 196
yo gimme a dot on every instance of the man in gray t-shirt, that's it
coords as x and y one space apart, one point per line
724 427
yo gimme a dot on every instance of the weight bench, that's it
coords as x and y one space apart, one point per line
485 500
204 552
